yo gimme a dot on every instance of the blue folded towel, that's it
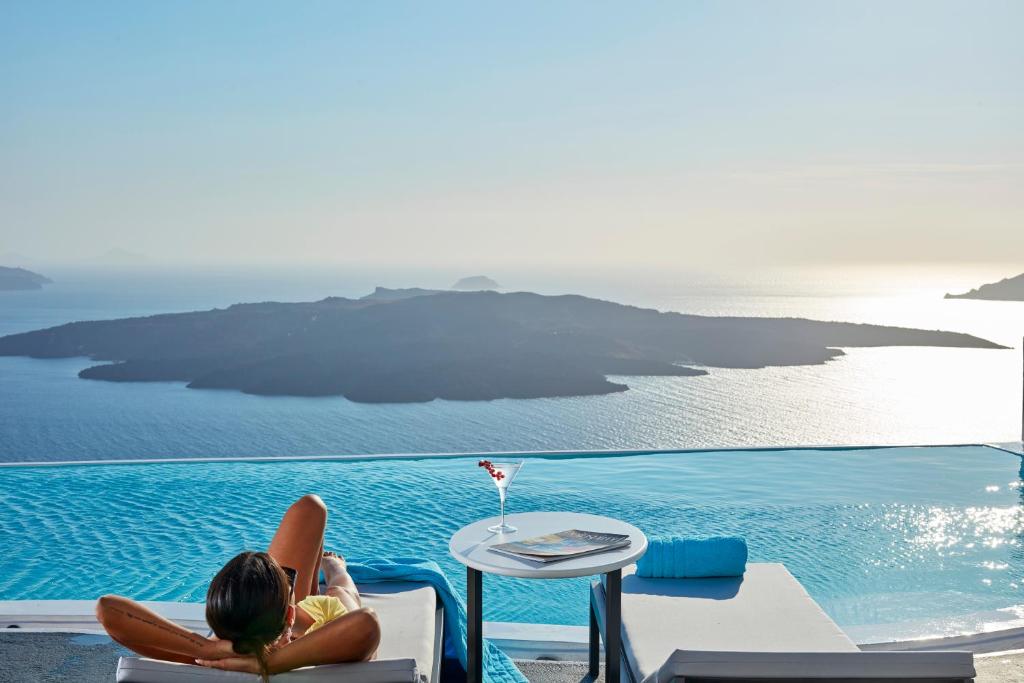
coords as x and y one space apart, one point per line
498 666
690 558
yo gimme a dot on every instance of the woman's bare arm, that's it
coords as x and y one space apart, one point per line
149 634
352 637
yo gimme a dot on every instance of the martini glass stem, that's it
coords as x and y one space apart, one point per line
501 497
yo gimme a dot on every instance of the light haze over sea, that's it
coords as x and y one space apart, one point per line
869 396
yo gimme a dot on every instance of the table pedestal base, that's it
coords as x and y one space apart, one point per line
612 629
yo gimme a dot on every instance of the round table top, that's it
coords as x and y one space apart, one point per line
470 545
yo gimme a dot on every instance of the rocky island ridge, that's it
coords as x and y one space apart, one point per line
420 345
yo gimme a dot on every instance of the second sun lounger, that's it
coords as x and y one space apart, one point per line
759 627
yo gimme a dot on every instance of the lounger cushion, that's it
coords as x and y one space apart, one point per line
408 650
765 610
410 623
688 665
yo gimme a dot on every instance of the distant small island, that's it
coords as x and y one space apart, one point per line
1010 289
418 345
476 283
17 279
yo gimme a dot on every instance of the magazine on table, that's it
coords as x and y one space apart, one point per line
563 545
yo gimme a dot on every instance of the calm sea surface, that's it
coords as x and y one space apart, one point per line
870 396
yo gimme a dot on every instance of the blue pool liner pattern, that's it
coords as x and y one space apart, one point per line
929 538
498 666
674 557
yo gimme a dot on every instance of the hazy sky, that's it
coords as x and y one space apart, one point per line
589 133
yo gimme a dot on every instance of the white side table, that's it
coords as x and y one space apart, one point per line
469 546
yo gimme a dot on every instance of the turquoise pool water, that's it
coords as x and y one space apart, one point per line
893 542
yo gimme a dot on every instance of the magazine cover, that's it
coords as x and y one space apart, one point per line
562 545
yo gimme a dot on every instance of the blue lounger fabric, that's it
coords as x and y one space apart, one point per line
693 558
498 666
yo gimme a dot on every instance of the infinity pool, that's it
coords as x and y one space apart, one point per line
892 542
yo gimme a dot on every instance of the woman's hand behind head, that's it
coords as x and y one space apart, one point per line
218 649
244 663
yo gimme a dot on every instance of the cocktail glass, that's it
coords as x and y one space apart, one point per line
502 474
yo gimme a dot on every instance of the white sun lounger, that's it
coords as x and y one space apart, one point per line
412 625
759 627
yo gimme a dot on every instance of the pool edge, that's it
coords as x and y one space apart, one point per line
1012 447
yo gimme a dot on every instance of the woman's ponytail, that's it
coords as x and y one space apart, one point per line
261 651
255 648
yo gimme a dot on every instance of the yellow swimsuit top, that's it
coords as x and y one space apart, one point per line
321 609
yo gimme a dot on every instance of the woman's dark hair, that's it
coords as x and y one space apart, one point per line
248 604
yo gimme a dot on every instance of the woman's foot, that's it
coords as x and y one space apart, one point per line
334 568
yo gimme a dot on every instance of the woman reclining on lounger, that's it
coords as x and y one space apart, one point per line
264 608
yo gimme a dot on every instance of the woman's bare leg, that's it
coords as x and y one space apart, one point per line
339 583
298 542
314 589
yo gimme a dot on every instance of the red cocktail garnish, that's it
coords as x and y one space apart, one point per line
490 469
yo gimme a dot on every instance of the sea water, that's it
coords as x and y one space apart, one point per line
896 395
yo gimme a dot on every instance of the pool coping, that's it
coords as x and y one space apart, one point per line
1013 447
519 640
